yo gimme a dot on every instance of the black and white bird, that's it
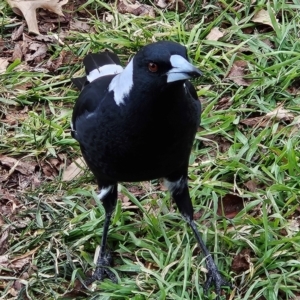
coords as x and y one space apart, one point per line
137 124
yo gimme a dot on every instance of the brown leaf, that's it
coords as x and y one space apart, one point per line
223 103
251 185
3 64
171 5
80 26
18 165
17 33
257 121
75 169
135 7
263 17
27 8
4 241
38 52
230 205
242 261
17 54
280 114
237 72
215 34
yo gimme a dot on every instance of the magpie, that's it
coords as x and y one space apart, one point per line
137 124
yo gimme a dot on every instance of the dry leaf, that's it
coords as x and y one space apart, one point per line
242 262
230 205
17 33
39 52
27 8
136 8
17 54
14 164
171 4
74 169
237 72
263 17
257 122
215 34
279 113
80 26
3 64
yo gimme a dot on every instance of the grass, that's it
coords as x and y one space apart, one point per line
57 225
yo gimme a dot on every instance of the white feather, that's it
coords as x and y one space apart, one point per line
105 70
122 84
104 191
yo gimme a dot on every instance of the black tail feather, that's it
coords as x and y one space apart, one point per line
95 60
79 82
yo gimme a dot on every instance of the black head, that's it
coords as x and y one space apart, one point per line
155 68
163 62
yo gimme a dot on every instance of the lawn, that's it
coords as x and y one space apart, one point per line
244 173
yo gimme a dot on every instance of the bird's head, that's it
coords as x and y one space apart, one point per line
164 62
154 68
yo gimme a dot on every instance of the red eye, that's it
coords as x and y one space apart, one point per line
152 67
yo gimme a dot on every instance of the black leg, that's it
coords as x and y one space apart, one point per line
180 193
108 195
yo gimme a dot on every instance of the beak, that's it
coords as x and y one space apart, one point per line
181 69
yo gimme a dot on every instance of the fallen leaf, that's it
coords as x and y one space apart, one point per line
230 205
4 246
257 122
223 103
135 7
280 114
3 64
14 164
215 34
27 8
251 185
242 262
38 50
263 17
108 17
76 168
237 72
178 5
17 54
80 26
17 33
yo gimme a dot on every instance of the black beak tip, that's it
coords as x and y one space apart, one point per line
197 73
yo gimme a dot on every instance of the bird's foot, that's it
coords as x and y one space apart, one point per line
214 277
102 270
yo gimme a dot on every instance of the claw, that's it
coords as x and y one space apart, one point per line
102 270
214 277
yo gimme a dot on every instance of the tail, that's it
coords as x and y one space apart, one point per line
98 65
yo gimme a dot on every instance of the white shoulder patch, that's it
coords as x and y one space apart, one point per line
105 70
122 84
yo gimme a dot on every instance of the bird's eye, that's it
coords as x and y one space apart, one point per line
152 67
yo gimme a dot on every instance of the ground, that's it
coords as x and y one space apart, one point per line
244 169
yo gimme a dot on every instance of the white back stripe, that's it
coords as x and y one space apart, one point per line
122 84
105 70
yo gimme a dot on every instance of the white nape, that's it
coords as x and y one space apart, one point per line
104 191
122 84
180 68
105 70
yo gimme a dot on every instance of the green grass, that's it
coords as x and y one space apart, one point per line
155 254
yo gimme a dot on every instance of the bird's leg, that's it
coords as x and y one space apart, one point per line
180 193
108 195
